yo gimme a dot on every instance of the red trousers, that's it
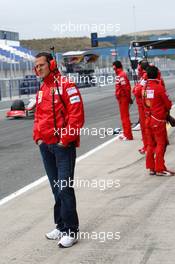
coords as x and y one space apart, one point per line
125 118
156 144
142 124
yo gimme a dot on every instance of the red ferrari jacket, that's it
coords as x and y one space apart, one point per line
137 90
65 124
156 101
123 87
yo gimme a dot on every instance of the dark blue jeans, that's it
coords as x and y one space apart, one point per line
59 163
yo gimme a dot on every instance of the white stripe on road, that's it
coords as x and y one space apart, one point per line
44 178
5 109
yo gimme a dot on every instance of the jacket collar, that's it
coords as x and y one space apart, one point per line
49 79
118 70
153 80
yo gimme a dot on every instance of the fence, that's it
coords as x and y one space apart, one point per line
20 82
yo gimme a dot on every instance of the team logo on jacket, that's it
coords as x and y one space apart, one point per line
40 96
122 81
74 99
150 94
71 90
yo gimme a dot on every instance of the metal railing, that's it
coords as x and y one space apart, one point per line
15 87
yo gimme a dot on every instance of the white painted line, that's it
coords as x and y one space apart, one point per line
23 190
44 178
89 153
5 109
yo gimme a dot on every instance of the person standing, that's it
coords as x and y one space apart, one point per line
123 95
59 110
157 107
137 91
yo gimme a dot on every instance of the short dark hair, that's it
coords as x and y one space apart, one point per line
47 55
152 72
144 64
117 64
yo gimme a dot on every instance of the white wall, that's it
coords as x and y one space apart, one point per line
9 42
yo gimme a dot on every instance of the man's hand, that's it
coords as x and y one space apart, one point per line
61 144
39 142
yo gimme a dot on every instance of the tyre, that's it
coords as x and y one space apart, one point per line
18 105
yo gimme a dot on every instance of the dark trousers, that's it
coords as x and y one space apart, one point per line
59 163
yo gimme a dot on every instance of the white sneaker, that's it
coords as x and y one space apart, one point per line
67 241
152 172
120 137
165 173
136 127
54 234
123 138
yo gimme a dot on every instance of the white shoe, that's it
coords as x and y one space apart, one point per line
67 241
123 138
165 173
117 131
142 150
120 137
54 234
152 172
136 127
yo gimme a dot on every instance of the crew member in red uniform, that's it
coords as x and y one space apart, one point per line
123 95
137 91
58 118
157 106
163 84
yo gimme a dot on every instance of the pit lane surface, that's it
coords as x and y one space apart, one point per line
130 223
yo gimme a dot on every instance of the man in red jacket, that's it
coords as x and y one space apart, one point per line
58 118
137 91
157 106
123 95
